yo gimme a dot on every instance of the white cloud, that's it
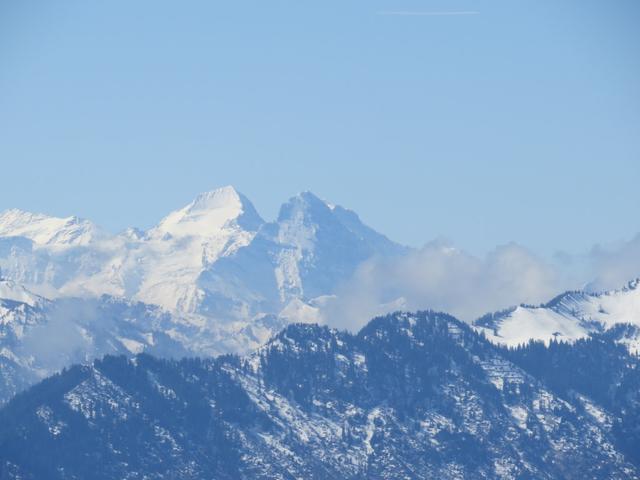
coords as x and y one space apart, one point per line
444 278
614 266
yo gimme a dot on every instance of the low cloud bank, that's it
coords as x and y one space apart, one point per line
442 277
59 342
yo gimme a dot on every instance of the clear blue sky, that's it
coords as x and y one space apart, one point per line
519 122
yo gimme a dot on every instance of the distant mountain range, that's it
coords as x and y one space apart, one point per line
99 375
214 278
216 258
210 278
415 396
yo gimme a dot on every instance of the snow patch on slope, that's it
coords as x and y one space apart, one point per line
568 317
10 290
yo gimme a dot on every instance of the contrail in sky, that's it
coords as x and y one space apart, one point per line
429 14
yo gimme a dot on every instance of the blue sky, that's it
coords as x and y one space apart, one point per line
519 121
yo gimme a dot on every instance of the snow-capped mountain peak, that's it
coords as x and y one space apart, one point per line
47 230
209 213
215 256
304 205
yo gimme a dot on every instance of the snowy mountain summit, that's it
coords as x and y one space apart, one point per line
209 214
210 278
47 230
215 258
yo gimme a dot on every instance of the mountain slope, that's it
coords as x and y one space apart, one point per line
569 316
410 396
40 338
598 368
